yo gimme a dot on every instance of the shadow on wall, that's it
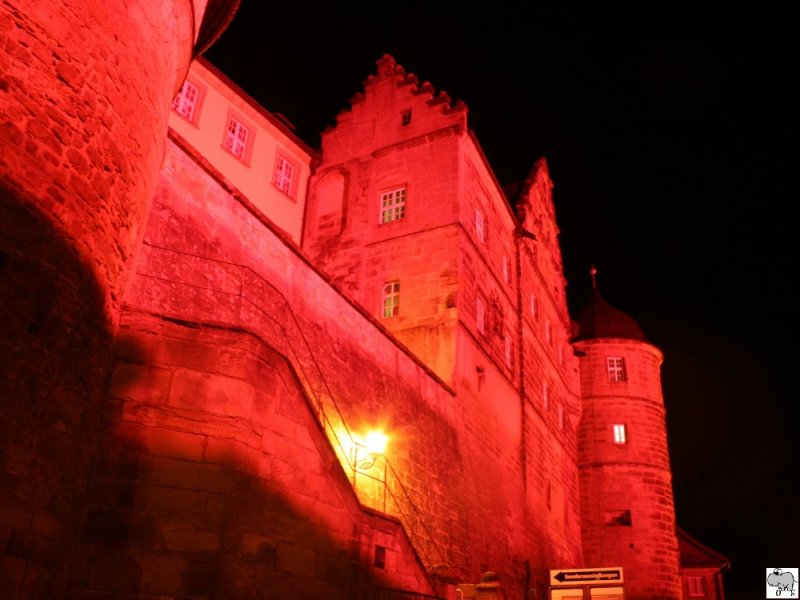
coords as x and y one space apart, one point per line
212 479
187 480
55 345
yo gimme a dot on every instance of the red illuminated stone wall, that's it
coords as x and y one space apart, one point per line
85 88
634 476
206 258
215 480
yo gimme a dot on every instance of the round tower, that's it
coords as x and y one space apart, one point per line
627 511
85 93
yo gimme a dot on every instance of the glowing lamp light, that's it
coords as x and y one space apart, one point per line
375 442
367 449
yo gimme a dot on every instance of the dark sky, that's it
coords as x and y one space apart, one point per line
663 141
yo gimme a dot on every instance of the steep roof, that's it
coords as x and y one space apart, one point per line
598 319
696 555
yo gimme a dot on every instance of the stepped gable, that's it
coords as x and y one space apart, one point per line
391 93
533 198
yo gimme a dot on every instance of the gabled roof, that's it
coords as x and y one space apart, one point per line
695 555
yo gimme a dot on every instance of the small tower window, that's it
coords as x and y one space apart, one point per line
393 205
479 316
618 518
391 299
620 433
406 118
480 230
616 369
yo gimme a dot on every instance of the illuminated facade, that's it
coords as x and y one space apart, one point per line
251 369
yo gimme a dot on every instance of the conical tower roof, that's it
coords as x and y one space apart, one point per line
598 319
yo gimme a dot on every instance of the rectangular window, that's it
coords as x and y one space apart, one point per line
284 175
380 557
480 231
185 101
393 205
406 118
696 585
533 307
479 316
391 299
616 368
620 434
507 345
236 135
545 395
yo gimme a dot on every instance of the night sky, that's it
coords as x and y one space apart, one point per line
663 143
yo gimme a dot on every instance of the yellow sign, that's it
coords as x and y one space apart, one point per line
559 577
606 593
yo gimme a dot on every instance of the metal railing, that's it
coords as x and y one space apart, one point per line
237 295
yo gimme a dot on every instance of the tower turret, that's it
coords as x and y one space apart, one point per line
85 92
627 511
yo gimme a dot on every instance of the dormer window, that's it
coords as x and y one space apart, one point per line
406 118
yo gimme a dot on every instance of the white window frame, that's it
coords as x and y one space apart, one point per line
390 299
696 586
186 101
615 367
480 225
480 314
237 138
620 433
284 175
393 205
